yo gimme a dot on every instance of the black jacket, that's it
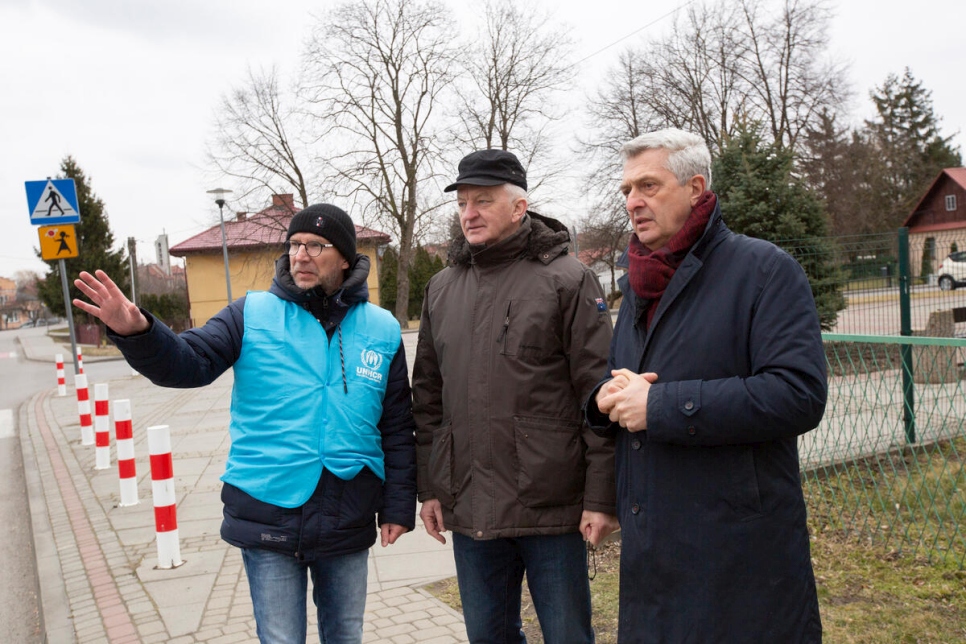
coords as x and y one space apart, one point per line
714 541
340 517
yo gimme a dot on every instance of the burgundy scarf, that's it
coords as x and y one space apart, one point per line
650 271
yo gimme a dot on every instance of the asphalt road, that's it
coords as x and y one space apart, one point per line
21 620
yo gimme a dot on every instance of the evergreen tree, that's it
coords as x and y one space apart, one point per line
908 143
423 267
842 168
761 197
94 242
388 268
170 308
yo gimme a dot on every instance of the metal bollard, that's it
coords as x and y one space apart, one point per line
84 409
124 438
165 506
61 381
102 427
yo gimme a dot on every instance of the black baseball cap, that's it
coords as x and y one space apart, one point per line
489 168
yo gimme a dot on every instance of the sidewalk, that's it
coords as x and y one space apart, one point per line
96 560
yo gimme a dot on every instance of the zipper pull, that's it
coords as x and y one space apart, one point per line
506 327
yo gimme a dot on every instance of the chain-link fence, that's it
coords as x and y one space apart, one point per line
896 283
887 463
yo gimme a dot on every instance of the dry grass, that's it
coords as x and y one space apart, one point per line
866 596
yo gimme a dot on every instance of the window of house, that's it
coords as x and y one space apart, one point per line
950 202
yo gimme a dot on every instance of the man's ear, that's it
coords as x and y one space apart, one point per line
697 183
519 209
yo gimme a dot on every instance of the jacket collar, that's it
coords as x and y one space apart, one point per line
327 309
714 233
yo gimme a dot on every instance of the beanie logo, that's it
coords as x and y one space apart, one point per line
319 222
371 361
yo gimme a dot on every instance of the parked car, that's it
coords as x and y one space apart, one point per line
28 324
952 272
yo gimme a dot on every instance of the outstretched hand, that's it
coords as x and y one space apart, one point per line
109 304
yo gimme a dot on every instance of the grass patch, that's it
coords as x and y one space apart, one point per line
887 548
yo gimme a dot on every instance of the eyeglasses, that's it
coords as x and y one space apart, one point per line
312 249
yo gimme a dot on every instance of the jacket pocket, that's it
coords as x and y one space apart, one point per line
361 498
441 465
745 497
550 461
250 523
530 331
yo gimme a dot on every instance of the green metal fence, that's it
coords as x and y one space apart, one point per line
886 465
883 277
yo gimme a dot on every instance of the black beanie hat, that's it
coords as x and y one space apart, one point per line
330 222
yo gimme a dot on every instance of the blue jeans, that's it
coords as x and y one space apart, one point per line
278 585
490 576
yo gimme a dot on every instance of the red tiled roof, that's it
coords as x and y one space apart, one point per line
266 228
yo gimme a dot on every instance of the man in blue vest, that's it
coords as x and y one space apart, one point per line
322 434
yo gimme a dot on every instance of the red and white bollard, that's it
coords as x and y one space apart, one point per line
102 428
84 409
124 437
162 489
61 380
80 361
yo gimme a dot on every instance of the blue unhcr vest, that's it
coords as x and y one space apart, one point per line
296 407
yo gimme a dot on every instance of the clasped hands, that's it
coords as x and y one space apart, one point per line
624 398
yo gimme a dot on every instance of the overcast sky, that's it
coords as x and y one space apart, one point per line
130 89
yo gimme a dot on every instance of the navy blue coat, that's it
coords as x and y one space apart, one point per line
341 516
714 542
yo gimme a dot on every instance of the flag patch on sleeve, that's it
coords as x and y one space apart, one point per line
601 305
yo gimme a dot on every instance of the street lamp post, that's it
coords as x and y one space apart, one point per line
220 200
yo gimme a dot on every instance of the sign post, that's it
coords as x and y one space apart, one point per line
50 202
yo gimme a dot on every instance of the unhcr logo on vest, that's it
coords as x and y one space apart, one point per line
371 361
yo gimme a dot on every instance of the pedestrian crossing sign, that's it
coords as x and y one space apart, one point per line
52 201
58 242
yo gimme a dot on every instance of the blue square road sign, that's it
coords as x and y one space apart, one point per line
52 201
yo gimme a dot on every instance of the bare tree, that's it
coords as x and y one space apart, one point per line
514 70
374 73
603 239
253 144
789 78
25 279
728 63
617 113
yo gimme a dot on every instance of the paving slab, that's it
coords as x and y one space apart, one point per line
96 560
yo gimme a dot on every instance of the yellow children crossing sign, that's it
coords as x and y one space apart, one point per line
58 242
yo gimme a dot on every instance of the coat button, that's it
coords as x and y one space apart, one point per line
635 509
689 405
691 430
479 533
636 444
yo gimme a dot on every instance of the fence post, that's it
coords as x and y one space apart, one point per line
905 321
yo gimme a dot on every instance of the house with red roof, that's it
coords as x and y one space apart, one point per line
254 243
937 224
